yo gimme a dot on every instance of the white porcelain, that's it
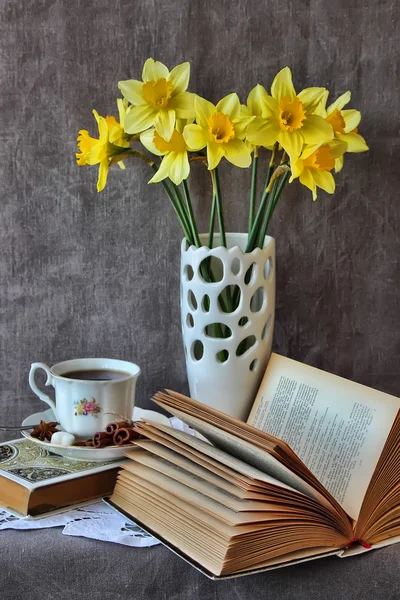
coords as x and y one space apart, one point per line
229 386
83 452
84 407
80 452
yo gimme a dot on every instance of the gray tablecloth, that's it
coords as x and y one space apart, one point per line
45 565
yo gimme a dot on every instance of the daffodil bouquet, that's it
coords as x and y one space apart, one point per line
171 129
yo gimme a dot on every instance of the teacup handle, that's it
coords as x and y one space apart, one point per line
49 381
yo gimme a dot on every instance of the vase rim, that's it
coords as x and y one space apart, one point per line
240 238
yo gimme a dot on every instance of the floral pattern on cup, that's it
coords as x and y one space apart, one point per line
86 407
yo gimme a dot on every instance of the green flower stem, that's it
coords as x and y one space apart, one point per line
215 178
212 221
277 189
253 188
192 220
182 218
254 231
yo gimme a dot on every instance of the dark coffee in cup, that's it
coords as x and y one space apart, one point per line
95 375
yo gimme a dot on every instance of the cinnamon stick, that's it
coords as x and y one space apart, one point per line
101 439
115 425
124 435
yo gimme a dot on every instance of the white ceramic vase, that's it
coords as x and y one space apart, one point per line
227 352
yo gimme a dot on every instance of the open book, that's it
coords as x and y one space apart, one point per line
314 471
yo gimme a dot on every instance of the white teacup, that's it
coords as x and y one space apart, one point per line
82 403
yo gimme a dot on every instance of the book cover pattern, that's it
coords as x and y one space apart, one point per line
33 463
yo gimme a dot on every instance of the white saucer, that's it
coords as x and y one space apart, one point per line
82 452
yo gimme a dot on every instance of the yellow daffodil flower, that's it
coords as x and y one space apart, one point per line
175 162
222 129
344 124
315 164
288 117
100 151
117 133
253 108
159 99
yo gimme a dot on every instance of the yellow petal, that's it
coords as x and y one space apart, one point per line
95 155
153 70
292 142
320 110
122 106
316 130
241 126
307 180
324 180
230 106
163 169
270 107
352 119
165 123
282 86
214 154
339 164
147 138
355 142
338 148
121 165
180 168
255 100
195 137
132 90
204 109
297 168
261 132
179 78
311 98
102 178
103 130
139 118
339 103
237 153
183 105
308 150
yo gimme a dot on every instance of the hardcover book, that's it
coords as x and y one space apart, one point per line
33 481
314 471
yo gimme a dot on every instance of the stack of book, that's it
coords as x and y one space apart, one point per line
314 471
34 482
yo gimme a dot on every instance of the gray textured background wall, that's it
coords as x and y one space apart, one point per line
85 274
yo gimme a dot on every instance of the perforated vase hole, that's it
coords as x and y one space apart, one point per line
258 299
222 356
211 269
229 298
188 272
197 350
253 364
250 274
268 268
218 330
190 320
192 300
235 266
245 345
265 329
243 321
205 303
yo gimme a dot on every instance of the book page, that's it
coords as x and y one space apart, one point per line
338 428
246 452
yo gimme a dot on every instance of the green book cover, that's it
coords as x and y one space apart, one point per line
32 465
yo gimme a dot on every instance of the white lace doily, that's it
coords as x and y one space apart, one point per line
96 521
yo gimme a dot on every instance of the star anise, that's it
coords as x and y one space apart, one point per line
44 430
